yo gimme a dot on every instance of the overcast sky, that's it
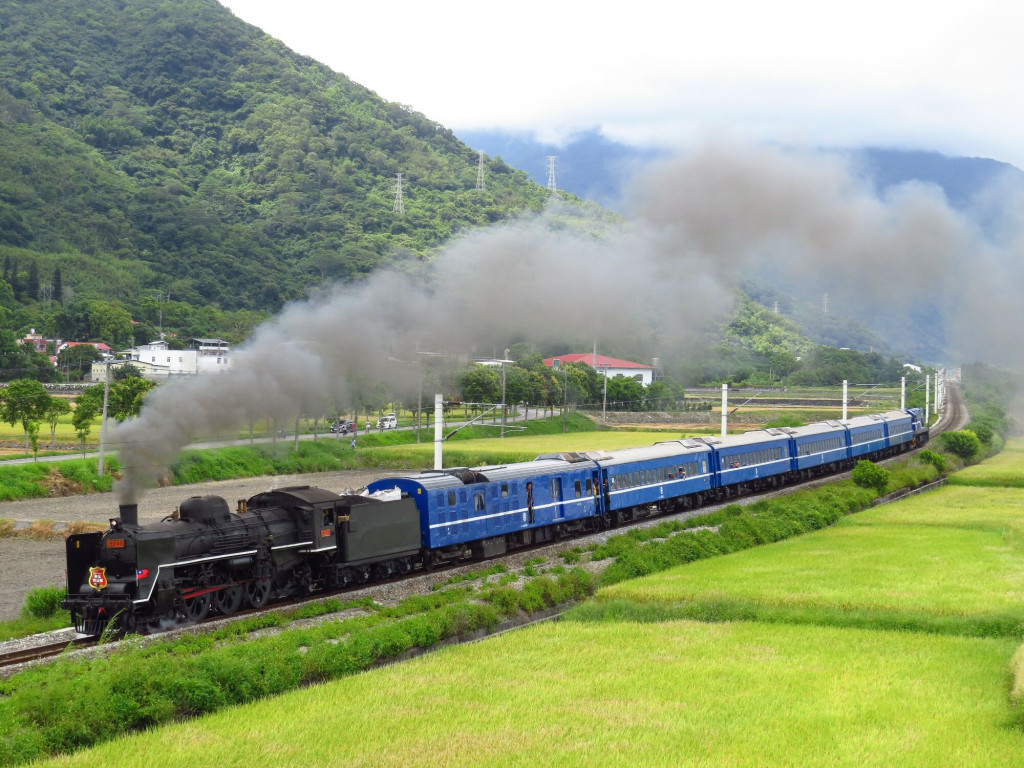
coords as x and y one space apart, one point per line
940 76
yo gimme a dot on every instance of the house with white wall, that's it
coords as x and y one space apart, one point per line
157 361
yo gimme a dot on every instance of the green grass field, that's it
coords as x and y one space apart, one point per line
621 694
950 561
1005 469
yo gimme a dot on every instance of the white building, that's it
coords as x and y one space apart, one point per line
609 366
157 361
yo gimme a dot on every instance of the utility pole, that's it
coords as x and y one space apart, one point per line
551 172
103 421
503 361
725 409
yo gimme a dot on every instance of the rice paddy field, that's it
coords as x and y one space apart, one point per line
887 639
621 694
947 561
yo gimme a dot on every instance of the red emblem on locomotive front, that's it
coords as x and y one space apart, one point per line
98 578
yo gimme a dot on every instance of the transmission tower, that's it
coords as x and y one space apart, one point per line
824 304
399 206
551 172
480 183
775 307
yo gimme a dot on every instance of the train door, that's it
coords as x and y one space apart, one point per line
529 500
556 497
325 526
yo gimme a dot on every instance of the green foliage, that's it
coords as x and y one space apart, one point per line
24 401
963 444
728 530
43 602
936 460
867 474
188 153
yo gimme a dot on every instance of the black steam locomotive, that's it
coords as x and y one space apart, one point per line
286 542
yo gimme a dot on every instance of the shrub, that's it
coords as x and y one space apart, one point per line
869 475
43 602
933 458
964 444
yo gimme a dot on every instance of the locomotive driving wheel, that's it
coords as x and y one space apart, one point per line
228 600
257 592
196 608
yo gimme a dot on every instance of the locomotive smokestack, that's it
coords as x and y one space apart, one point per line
129 513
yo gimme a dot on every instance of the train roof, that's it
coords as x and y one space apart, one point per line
817 428
753 437
306 494
663 450
896 415
455 477
867 420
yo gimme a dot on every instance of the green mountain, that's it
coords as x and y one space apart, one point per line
165 145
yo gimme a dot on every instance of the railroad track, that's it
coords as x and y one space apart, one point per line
30 653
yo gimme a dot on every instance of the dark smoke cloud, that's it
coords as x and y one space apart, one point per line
701 224
538 280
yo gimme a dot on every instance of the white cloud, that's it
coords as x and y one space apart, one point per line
931 75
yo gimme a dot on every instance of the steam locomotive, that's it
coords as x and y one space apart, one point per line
300 540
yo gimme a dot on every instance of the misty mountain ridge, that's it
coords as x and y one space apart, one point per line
596 168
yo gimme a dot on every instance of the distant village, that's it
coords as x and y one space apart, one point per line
155 361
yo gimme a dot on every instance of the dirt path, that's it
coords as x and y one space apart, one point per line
26 564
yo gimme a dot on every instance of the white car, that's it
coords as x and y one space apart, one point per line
388 422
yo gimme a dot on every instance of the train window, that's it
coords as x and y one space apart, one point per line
579 489
504 490
478 502
451 498
556 488
590 487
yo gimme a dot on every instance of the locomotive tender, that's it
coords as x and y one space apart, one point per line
299 540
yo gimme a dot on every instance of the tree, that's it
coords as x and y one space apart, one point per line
625 394
963 444
56 408
32 286
110 322
88 406
126 397
480 384
25 401
77 359
867 474
58 285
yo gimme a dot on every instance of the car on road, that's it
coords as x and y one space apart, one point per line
343 426
388 422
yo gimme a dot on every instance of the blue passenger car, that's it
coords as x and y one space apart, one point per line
664 472
754 459
818 445
483 505
867 434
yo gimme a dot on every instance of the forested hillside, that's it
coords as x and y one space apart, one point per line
166 147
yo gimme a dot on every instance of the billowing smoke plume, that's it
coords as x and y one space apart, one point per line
808 223
701 224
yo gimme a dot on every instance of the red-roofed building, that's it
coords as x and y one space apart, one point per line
102 348
609 366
